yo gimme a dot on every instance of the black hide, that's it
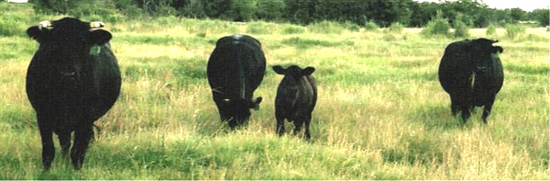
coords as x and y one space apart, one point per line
72 80
471 72
235 69
296 98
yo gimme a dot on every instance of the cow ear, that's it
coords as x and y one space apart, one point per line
98 37
308 71
497 49
36 33
279 70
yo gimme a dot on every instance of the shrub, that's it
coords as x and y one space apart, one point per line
166 21
491 30
437 26
371 26
326 27
294 30
260 28
461 30
13 24
351 26
396 28
514 31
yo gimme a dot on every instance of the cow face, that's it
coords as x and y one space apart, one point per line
238 109
484 54
293 74
242 103
68 42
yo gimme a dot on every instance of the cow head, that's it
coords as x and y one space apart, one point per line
69 42
243 103
237 110
293 73
484 54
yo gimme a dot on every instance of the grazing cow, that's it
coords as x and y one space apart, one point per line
235 69
73 79
296 98
471 60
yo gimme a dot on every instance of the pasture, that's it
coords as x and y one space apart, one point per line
381 112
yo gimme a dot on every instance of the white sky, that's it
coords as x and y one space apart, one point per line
526 5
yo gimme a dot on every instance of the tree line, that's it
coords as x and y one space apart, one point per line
410 13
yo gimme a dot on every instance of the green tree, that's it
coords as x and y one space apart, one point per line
517 14
542 16
300 11
241 10
270 9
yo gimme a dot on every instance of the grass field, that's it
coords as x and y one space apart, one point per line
381 112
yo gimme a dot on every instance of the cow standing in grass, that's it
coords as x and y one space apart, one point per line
296 98
235 69
471 72
72 80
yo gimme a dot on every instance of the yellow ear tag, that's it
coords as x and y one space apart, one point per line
95 50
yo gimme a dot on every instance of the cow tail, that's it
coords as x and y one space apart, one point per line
96 134
242 74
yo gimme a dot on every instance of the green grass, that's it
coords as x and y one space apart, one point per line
381 112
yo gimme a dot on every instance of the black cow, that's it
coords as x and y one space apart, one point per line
471 60
296 98
235 69
73 79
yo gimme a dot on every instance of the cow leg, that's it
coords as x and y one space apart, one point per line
280 125
464 103
226 118
48 149
297 125
487 108
83 134
279 115
465 113
307 120
454 105
65 142
232 122
243 121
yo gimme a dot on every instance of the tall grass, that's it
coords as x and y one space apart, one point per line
514 31
381 112
396 28
491 30
371 26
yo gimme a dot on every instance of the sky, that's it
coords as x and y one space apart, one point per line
526 5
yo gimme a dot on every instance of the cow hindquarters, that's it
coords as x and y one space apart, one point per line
83 135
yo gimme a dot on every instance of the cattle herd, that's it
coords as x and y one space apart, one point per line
74 79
